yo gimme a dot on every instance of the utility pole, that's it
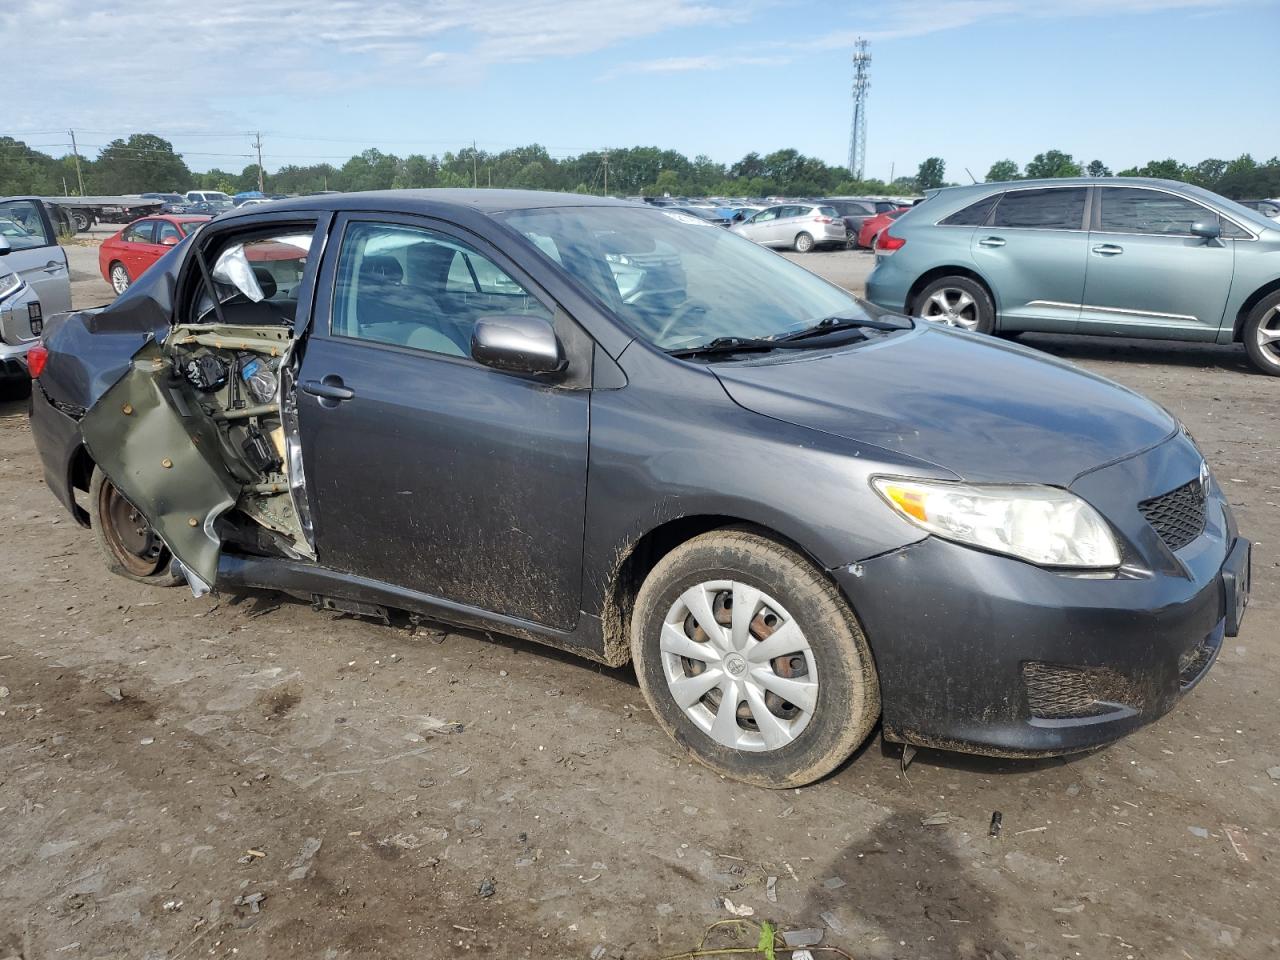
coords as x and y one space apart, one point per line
475 176
606 173
75 152
257 142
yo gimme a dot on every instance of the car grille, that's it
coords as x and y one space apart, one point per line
1058 692
1177 516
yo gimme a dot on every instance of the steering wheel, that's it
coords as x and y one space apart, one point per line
681 313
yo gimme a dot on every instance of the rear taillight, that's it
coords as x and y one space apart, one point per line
37 357
888 243
823 220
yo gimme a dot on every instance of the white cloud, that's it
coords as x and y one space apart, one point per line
690 64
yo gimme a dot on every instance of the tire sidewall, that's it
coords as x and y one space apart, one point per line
1261 360
800 243
986 307
161 578
848 701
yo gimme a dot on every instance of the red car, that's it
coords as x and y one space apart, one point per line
123 257
872 226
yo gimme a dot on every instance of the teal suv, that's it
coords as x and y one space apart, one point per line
1115 256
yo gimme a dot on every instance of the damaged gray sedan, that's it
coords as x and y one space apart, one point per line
620 431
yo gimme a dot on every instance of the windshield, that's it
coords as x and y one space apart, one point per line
678 281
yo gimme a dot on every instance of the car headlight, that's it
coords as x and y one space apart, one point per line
9 283
1047 526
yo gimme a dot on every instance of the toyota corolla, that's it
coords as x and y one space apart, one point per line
625 433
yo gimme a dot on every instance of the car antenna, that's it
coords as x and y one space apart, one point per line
971 176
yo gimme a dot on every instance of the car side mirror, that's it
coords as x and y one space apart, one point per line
1209 230
517 343
4 247
169 241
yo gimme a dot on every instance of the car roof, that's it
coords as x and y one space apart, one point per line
484 201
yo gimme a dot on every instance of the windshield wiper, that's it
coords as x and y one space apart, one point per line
729 345
835 324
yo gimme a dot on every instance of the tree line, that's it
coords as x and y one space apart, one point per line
145 162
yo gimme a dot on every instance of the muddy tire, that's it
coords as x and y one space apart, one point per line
1261 335
128 546
778 695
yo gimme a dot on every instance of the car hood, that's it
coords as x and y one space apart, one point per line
980 408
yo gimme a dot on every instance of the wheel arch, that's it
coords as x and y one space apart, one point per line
636 562
79 473
1251 301
950 270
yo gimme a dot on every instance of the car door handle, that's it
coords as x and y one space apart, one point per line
53 266
330 388
1108 249
991 242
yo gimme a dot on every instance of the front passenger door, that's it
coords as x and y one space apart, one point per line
1149 275
426 469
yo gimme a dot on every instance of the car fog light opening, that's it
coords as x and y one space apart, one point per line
1047 526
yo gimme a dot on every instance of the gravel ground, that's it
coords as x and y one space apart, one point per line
240 775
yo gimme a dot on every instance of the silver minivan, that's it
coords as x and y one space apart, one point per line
797 226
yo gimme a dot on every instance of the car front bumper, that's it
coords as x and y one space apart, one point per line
986 654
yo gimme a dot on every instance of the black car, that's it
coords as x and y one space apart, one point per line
637 437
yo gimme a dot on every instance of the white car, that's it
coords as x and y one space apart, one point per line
798 226
200 196
35 281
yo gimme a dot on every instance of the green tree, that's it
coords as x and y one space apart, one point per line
1001 171
932 174
1097 168
143 162
1052 163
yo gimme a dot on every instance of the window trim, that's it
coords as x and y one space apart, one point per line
1095 224
1084 214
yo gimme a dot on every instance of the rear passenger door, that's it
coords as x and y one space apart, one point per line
1032 250
34 253
428 470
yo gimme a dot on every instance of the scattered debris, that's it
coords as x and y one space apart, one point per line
833 924
997 822
301 864
808 937
147 741
1031 830
834 883
171 906
4 692
598 951
939 820
739 911
251 900
1235 835
1200 832
1273 773
771 889
114 693
786 812
487 888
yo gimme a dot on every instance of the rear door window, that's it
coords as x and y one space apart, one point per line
1054 208
140 232
22 225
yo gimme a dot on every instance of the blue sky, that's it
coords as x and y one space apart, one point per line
972 81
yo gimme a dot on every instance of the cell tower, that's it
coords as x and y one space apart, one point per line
858 132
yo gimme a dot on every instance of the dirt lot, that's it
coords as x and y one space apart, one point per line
164 758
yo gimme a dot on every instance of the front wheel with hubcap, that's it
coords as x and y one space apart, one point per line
1261 335
129 546
752 661
803 242
957 302
119 278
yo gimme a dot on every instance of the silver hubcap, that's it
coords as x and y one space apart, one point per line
1269 335
739 666
953 307
119 280
803 244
